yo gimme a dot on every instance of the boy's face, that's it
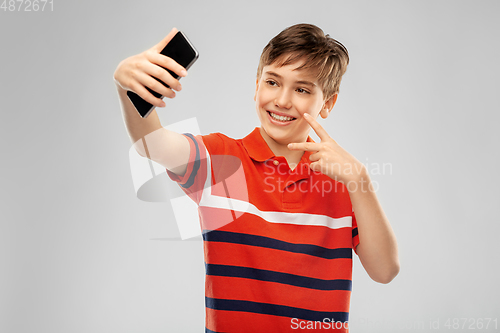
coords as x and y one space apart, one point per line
282 96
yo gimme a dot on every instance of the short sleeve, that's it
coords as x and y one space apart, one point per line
202 149
355 236
193 180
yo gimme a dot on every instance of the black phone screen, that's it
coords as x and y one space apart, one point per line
183 52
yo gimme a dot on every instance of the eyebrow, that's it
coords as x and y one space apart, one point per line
308 83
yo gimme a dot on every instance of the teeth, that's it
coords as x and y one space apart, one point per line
280 118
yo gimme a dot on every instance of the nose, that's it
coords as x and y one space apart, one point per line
282 99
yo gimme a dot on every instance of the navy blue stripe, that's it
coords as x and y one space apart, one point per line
196 165
271 276
271 243
274 309
209 331
354 232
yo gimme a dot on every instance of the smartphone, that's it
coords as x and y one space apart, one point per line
183 52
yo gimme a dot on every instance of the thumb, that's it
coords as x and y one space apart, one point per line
161 45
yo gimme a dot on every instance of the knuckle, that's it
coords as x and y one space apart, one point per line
166 62
171 93
133 76
157 72
155 85
135 66
169 61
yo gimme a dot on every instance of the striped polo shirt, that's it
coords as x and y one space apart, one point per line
277 242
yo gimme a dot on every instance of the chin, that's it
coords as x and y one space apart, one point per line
281 137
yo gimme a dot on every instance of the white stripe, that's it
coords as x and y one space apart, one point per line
214 201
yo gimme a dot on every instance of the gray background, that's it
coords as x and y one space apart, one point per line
80 253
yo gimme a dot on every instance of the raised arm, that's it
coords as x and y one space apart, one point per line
377 249
150 139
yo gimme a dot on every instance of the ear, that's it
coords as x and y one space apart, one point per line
328 106
256 89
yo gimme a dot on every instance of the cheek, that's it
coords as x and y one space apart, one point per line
258 96
313 108
304 106
259 104
263 96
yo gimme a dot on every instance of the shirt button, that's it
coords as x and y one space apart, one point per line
276 162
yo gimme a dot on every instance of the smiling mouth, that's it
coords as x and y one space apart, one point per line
283 119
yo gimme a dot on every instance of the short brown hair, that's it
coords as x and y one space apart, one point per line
320 52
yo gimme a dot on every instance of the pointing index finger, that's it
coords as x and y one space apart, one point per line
320 131
305 146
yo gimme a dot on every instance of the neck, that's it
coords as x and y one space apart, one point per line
292 156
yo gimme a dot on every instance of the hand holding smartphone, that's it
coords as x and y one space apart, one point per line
180 49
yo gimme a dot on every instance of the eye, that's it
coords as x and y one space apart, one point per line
302 91
271 83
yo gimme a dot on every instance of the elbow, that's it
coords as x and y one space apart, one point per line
388 274
139 147
141 152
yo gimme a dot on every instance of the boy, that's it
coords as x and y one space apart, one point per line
283 262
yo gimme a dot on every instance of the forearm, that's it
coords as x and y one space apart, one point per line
152 140
377 247
140 129
137 127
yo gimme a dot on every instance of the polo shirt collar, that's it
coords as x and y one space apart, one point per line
258 149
